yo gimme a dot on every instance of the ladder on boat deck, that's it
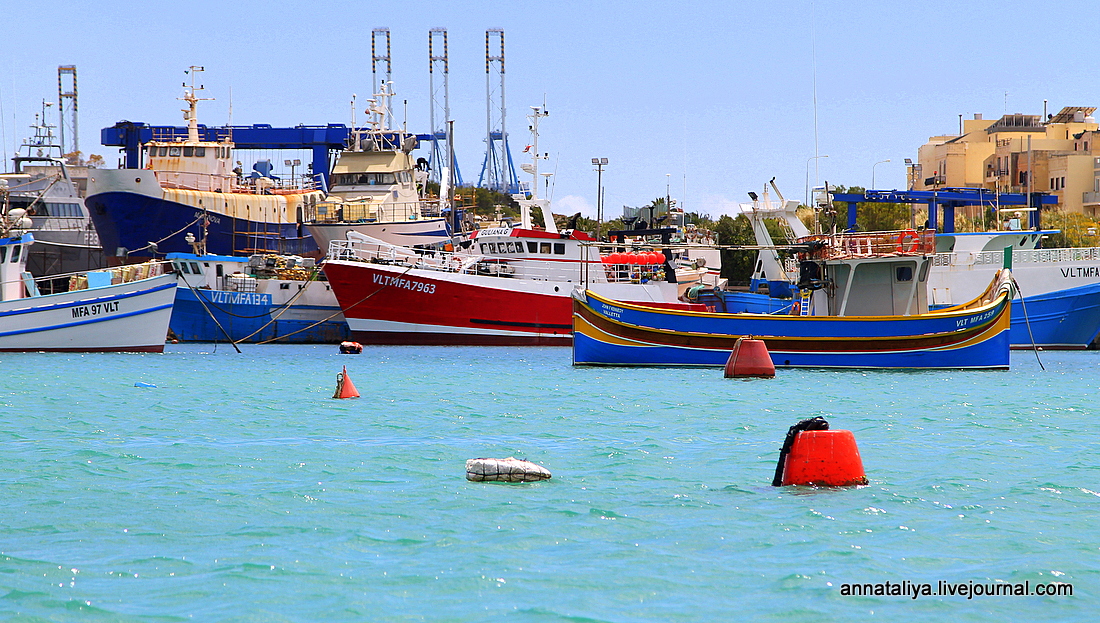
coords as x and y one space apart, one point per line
804 295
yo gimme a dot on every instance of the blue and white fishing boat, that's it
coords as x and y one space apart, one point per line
1060 288
856 309
120 309
262 298
608 332
192 186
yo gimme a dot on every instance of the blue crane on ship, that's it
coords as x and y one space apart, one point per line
321 140
948 199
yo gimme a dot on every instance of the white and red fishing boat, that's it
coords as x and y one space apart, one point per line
506 286
511 287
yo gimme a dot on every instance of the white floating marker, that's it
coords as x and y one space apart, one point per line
510 469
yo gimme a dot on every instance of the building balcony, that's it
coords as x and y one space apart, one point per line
1091 198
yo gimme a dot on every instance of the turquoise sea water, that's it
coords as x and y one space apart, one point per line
239 490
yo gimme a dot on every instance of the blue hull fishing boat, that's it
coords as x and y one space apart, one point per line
263 298
1060 288
607 332
862 303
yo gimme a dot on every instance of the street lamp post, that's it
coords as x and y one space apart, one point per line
808 161
599 163
873 171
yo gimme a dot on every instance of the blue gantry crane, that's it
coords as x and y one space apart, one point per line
949 199
322 140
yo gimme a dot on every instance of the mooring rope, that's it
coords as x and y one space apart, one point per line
1034 346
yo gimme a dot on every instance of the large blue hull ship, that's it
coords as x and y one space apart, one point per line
189 189
129 219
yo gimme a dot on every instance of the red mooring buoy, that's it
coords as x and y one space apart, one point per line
814 455
344 387
750 358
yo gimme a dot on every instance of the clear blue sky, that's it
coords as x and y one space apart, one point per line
715 96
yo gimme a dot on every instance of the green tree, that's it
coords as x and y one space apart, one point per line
1076 230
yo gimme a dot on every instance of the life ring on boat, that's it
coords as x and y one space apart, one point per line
796 308
913 241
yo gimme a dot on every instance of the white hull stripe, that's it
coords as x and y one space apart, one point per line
83 301
87 322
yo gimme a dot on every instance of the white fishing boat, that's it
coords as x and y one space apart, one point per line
377 189
41 186
120 309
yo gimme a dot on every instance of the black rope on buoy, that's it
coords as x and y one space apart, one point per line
1023 306
814 423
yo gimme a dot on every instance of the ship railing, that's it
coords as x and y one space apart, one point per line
874 243
368 212
62 223
465 262
72 281
1025 256
211 182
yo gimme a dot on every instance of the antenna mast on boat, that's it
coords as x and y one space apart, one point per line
537 112
189 114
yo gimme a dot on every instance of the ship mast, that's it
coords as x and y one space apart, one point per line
189 114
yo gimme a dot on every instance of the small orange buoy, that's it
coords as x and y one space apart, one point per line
344 387
750 358
815 455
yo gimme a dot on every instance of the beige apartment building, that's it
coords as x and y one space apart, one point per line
1018 153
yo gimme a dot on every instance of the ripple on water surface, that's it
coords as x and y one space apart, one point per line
237 488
